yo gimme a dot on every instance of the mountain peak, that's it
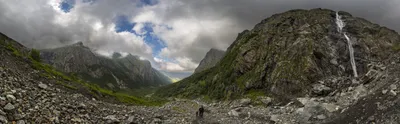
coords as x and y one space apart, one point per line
80 43
215 50
212 57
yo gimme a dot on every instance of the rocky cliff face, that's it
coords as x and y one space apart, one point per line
212 57
116 73
287 53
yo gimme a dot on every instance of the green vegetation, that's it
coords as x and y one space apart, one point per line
396 47
178 109
253 94
15 52
35 55
142 92
206 98
202 83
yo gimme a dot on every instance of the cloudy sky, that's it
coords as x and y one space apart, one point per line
173 34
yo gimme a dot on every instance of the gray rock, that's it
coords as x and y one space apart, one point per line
9 107
76 120
321 117
393 86
320 89
360 91
43 86
330 107
3 119
233 113
2 112
111 119
81 105
56 120
21 122
18 116
304 101
131 119
156 121
393 93
303 115
245 102
275 118
384 91
334 62
11 97
266 100
56 112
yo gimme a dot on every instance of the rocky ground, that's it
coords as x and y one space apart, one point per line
26 100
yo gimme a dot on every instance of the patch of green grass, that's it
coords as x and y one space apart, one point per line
178 109
207 98
50 70
202 83
253 94
35 55
13 50
396 47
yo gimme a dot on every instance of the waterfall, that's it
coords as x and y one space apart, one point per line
351 52
340 24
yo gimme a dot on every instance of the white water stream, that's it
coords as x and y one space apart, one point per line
340 24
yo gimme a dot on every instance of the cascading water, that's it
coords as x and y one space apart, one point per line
340 24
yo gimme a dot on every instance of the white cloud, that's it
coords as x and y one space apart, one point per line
146 16
169 66
138 28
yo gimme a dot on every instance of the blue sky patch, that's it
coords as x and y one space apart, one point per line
147 3
153 40
67 5
122 24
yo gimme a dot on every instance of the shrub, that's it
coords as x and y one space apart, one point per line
35 54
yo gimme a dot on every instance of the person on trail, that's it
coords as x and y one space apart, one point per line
201 111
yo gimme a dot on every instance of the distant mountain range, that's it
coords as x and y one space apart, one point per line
118 72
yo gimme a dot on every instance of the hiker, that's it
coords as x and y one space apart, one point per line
201 111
